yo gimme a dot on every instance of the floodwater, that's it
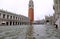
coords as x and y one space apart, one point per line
29 32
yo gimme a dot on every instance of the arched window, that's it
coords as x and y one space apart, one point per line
3 15
10 17
0 14
13 17
7 16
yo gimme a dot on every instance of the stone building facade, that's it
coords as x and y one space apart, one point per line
57 12
49 19
56 9
8 18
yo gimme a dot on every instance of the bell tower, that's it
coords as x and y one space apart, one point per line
31 11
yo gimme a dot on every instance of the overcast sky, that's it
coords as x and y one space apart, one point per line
41 7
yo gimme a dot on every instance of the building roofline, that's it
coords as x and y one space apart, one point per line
11 13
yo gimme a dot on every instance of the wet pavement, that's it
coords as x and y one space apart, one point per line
29 32
43 32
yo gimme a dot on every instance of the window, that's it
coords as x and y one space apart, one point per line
3 15
0 14
10 17
7 16
59 1
56 1
16 17
29 5
20 18
13 17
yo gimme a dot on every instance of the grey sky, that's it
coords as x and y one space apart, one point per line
41 7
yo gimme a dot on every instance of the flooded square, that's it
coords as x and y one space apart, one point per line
29 32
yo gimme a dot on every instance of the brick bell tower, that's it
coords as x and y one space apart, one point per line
31 11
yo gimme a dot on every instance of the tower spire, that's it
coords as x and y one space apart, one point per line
31 5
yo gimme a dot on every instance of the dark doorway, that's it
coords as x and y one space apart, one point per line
10 23
13 23
47 20
6 23
16 23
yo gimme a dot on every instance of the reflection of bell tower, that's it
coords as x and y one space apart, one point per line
31 11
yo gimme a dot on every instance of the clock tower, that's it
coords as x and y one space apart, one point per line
31 11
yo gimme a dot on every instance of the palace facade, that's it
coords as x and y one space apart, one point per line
8 18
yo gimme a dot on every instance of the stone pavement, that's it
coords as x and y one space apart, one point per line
44 32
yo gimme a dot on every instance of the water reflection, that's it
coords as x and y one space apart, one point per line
30 32
43 32
52 32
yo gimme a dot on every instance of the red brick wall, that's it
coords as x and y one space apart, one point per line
31 14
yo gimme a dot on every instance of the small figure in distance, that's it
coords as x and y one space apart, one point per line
56 26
